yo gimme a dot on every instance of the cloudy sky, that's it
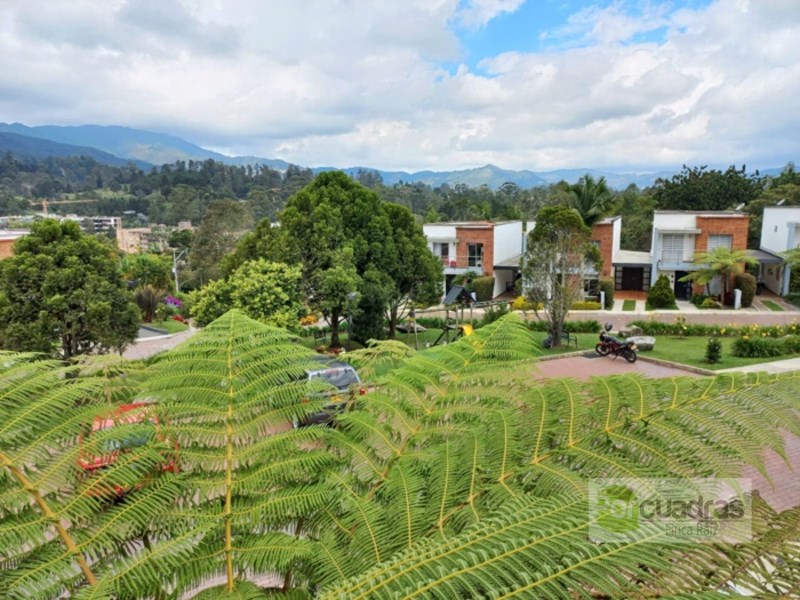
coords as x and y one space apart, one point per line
414 84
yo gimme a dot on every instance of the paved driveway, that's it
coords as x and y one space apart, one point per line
584 367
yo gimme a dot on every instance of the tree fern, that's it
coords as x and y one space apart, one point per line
458 475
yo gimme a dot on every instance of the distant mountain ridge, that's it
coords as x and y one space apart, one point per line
26 146
116 145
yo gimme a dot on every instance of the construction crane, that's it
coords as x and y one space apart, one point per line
46 203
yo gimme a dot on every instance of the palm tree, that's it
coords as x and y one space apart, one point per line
592 199
720 262
792 257
459 475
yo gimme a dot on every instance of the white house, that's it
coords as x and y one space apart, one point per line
480 246
780 231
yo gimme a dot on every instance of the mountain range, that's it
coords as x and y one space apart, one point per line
116 145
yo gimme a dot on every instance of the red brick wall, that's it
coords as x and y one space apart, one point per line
476 236
5 248
733 226
604 233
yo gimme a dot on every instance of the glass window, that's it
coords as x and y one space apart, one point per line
716 241
474 255
672 248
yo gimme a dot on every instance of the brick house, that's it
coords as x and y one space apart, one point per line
7 240
679 235
492 249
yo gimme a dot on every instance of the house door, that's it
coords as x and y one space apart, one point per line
632 278
683 289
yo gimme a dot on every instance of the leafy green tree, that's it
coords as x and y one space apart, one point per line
558 257
636 210
701 189
180 239
334 291
265 291
148 269
368 318
63 293
414 273
720 263
592 199
224 224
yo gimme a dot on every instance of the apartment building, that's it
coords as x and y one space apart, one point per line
480 246
679 235
780 231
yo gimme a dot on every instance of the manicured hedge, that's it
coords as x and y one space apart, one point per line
746 283
607 286
483 288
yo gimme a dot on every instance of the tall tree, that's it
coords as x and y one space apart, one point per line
63 293
701 189
415 274
224 224
558 256
592 199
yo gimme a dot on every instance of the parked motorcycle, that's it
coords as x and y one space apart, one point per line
609 345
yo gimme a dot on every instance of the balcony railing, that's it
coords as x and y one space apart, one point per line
449 261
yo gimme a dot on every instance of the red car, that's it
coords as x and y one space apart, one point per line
92 461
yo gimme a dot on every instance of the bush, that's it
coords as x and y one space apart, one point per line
492 313
483 288
586 305
746 283
661 294
710 303
590 326
791 344
698 299
521 303
607 286
713 350
757 347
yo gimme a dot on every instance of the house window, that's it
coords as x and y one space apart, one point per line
717 241
672 248
474 255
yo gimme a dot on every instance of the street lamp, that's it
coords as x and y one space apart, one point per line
175 259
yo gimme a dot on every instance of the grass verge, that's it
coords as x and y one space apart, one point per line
691 350
773 306
170 326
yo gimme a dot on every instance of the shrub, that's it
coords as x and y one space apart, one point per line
483 288
698 299
661 294
791 344
746 283
147 299
757 347
492 313
590 326
713 350
710 303
468 280
586 305
521 303
607 286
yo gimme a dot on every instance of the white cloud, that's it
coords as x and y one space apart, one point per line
356 82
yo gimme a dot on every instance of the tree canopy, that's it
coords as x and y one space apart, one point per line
699 188
63 293
558 256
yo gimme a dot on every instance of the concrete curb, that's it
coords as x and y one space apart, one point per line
675 365
161 337
566 355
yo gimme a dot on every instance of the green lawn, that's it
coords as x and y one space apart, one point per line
629 305
170 326
691 350
773 306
